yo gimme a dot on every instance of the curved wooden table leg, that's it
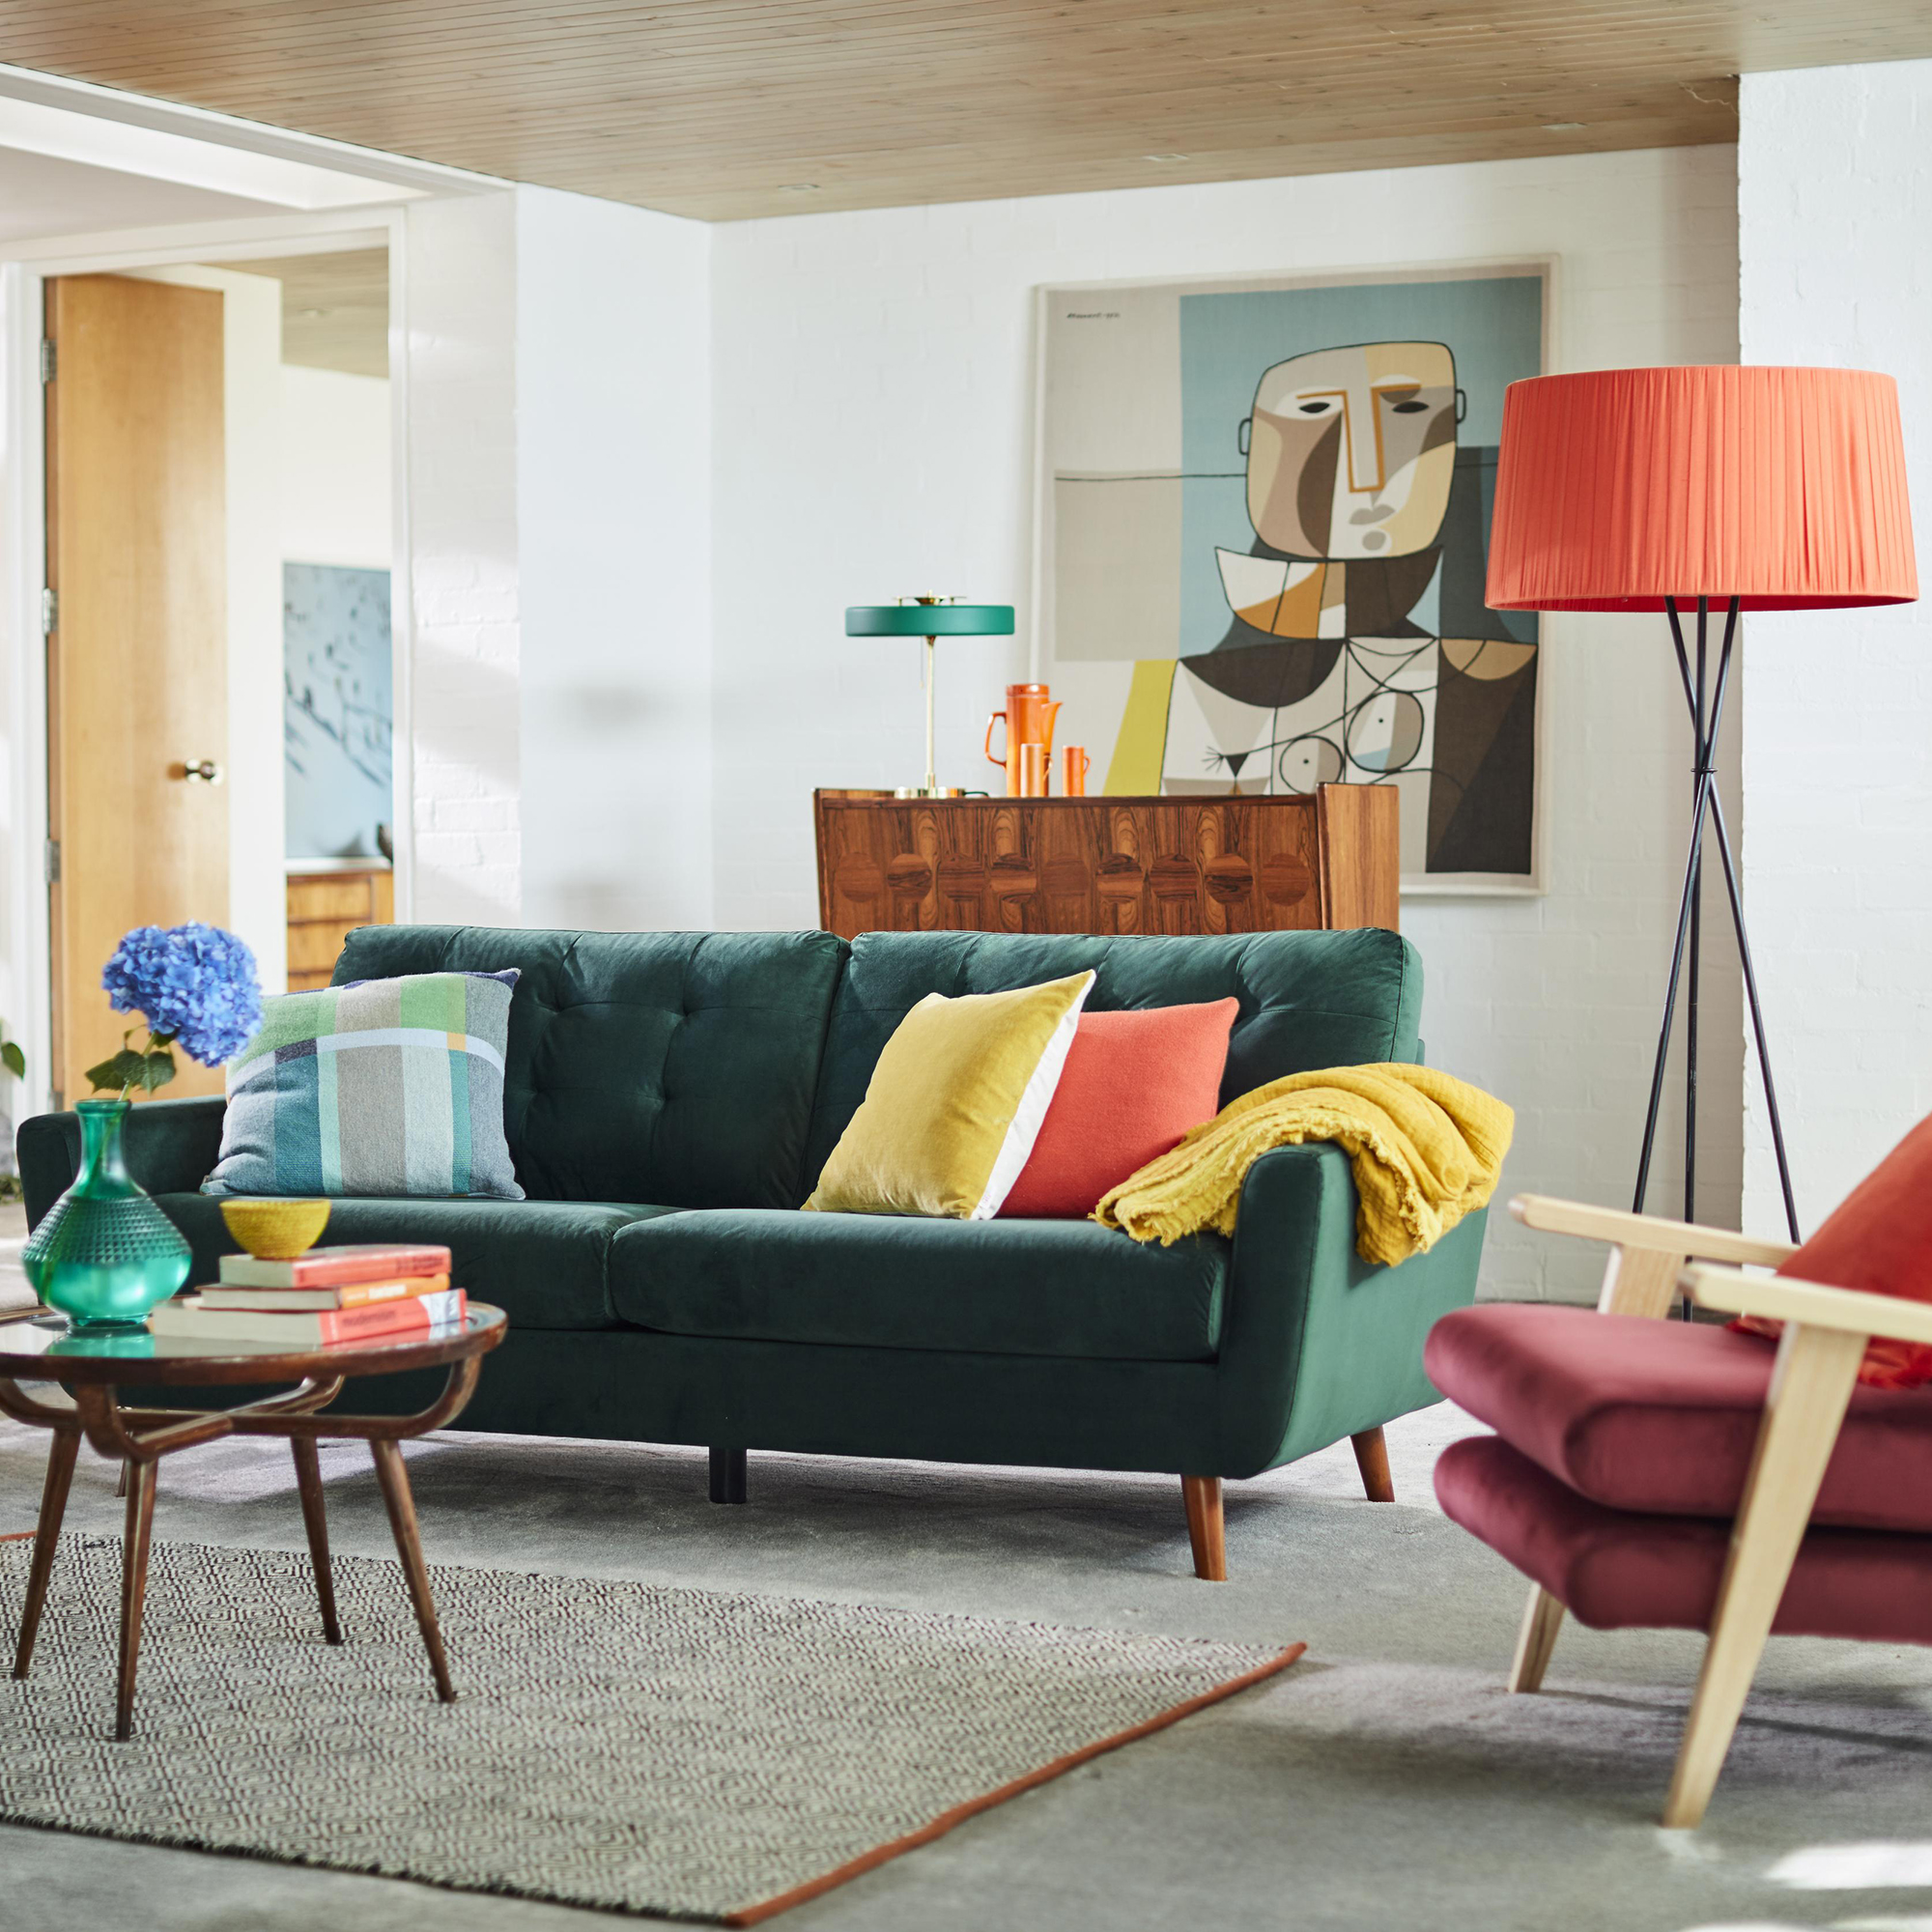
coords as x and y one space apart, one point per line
397 1498
315 1519
133 1589
61 1454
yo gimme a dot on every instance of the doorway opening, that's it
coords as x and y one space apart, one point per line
219 622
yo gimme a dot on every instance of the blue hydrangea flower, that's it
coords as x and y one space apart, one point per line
194 983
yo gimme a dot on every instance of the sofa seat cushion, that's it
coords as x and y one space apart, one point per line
1614 1569
1660 1416
542 1262
1001 1287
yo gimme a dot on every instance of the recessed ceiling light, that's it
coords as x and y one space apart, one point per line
1562 127
1164 159
801 187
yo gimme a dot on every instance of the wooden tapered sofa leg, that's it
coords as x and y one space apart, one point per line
1206 1530
727 1475
1541 1622
1372 1458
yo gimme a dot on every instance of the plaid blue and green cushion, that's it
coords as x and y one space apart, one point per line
379 1087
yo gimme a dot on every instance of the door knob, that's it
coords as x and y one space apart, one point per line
202 771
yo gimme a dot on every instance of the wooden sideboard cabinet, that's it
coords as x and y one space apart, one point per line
326 903
1212 864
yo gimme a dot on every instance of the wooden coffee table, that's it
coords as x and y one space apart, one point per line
95 1367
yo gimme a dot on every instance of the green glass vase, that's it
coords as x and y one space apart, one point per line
105 1254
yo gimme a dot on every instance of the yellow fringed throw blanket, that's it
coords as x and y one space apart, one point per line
1426 1148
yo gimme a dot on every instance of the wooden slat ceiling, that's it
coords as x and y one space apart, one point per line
336 308
728 108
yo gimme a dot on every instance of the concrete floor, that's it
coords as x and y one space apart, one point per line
1386 1781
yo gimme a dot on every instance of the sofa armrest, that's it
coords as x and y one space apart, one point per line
1317 1342
170 1145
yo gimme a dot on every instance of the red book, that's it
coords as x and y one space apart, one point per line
295 1301
187 1320
325 1268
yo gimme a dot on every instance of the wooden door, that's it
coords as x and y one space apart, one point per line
137 658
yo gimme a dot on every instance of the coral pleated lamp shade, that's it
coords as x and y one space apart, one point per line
1782 488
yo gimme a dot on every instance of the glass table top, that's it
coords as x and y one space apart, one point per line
36 1344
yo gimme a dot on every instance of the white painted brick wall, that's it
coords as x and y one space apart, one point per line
460 262
614 317
873 381
1835 204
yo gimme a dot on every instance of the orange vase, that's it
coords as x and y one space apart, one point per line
1028 719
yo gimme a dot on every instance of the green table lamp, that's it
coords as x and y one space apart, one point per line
931 619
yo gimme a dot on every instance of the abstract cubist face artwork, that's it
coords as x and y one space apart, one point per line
1264 532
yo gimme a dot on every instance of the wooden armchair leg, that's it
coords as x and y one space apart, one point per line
1205 1529
1810 1388
1372 1458
1542 1621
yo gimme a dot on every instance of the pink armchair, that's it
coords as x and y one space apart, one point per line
1666 1475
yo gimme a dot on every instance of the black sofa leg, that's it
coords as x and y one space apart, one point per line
727 1475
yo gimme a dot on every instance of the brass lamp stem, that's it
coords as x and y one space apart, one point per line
931 775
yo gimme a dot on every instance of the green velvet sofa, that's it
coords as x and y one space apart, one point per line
669 1101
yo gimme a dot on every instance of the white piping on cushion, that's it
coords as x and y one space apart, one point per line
1031 1113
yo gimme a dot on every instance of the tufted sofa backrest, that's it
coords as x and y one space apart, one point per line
674 1069
691 1069
1308 999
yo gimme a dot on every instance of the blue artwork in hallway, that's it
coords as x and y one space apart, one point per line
337 709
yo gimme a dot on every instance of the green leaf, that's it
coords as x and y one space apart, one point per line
122 1071
12 1059
158 1067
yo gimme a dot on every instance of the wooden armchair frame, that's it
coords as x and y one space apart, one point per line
1825 1336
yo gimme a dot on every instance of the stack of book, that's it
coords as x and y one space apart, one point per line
374 1291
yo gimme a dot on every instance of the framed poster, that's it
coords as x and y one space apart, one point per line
337 716
1264 518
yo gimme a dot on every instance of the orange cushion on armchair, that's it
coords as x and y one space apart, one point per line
1878 1238
1134 1083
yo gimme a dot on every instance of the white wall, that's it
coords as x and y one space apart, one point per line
337 468
1835 204
613 539
23 719
458 782
871 383
251 326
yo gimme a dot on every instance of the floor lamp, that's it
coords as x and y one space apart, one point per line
1716 490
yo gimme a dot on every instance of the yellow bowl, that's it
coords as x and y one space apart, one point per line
276 1231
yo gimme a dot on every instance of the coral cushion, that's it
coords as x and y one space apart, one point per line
1616 1570
1878 1238
1661 1417
1134 1083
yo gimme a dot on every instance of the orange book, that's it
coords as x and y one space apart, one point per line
345 1295
330 1267
187 1318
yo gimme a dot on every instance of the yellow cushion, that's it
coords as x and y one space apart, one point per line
954 1104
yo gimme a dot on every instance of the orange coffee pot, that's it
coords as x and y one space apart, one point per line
1029 718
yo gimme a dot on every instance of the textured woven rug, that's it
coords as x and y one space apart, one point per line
630 1746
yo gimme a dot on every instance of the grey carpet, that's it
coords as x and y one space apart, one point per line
1386 1783
626 1745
